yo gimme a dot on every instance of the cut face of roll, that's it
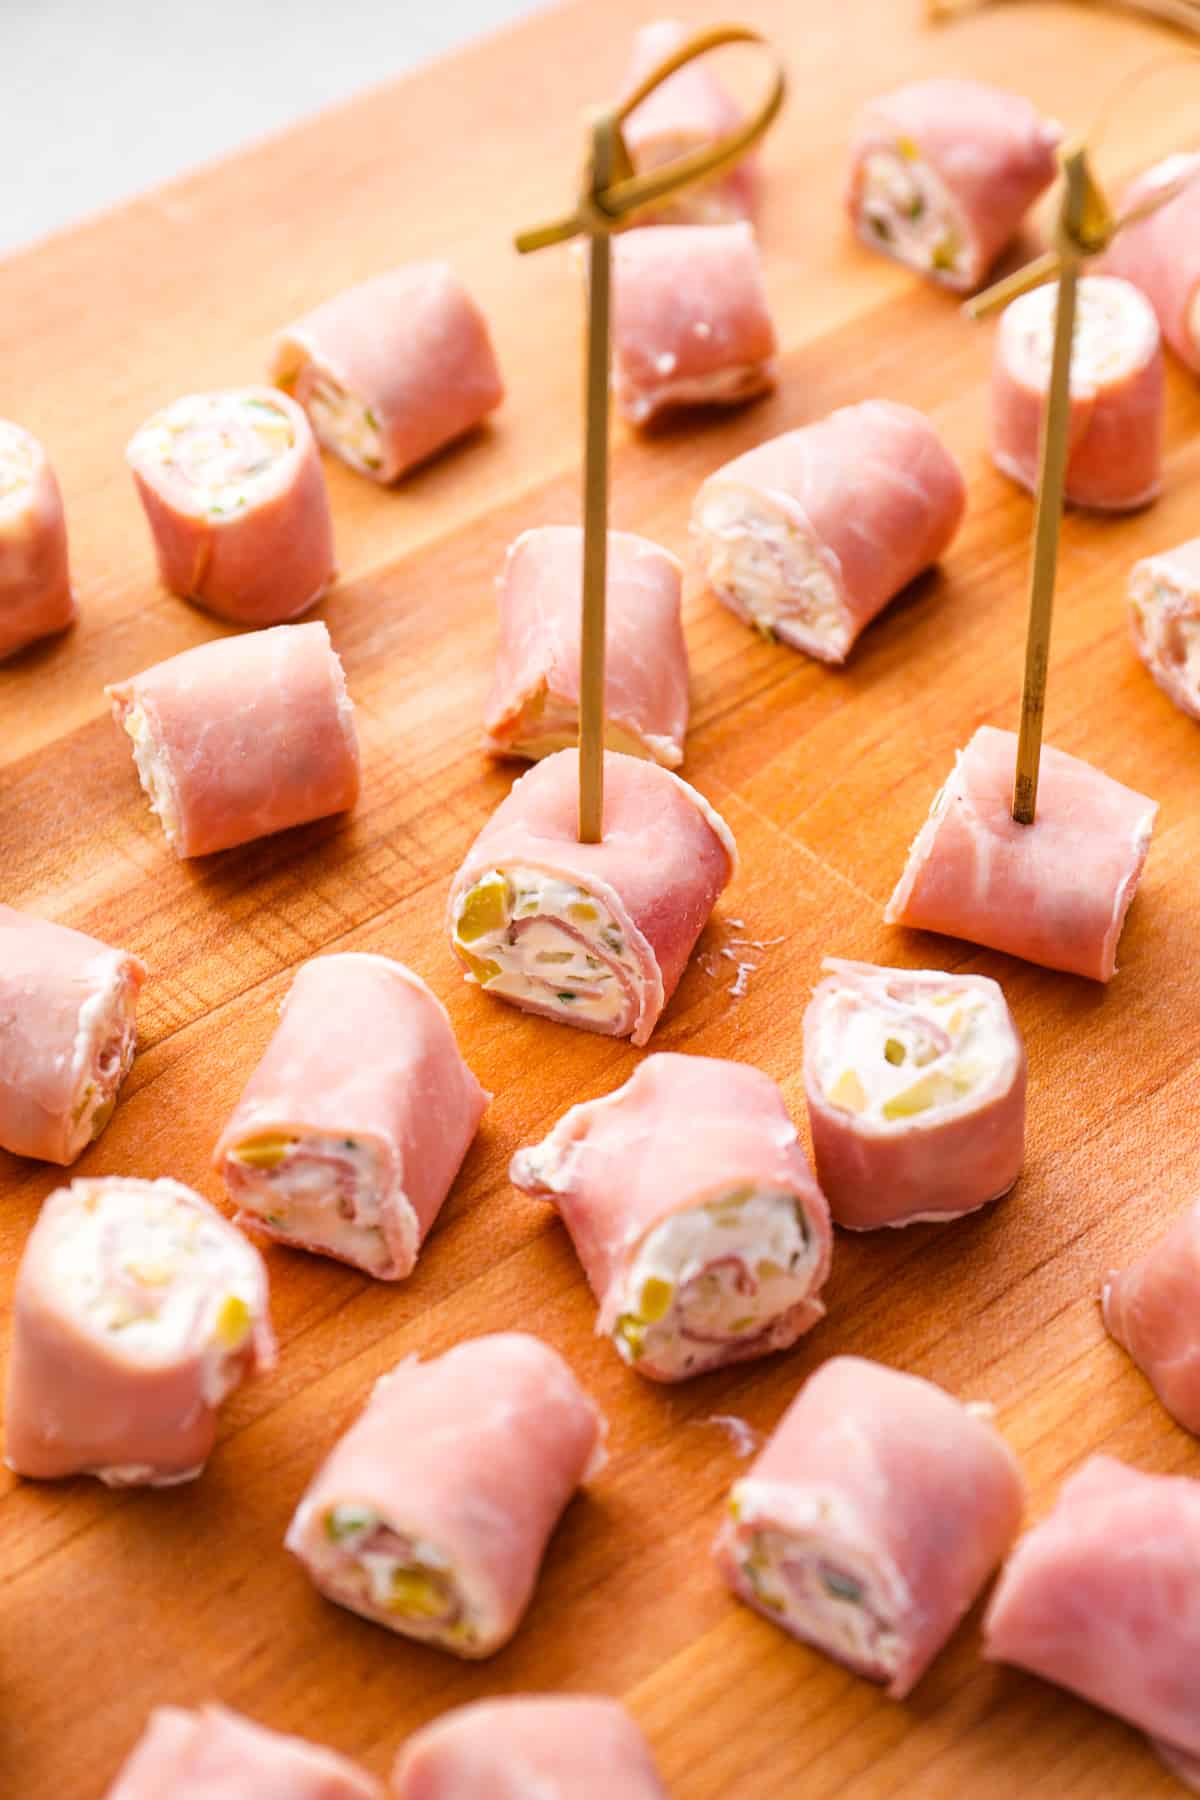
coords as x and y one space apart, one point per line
35 583
1164 619
1152 1309
694 1212
916 1093
1160 254
689 111
232 487
529 1747
215 1752
138 1309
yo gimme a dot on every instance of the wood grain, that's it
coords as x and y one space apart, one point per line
112 1603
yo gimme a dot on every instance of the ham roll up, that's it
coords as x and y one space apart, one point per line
1164 619
233 490
1055 892
137 1310
529 1747
432 1514
68 1031
392 370
915 1083
871 1520
1160 254
1152 1309
690 110
596 935
533 707
242 737
694 1212
35 582
355 1122
215 1754
810 535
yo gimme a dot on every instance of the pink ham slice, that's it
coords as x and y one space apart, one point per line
242 737
970 158
35 582
365 1063
1164 620
1152 1309
883 1505
464 1465
690 110
811 534
1055 892
1103 1597
529 1747
691 324
1160 254
392 370
535 688
67 1035
684 1132
215 1754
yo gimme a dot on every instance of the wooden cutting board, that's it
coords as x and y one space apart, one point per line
112 1603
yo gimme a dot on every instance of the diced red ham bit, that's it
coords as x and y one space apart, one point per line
533 707
215 1754
871 1520
243 736
689 111
35 581
392 370
529 1747
1152 1309
1164 619
1160 254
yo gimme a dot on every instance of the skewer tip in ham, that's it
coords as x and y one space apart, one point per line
68 1031
35 581
810 535
215 1754
1164 620
691 324
942 173
354 1124
233 490
1160 254
689 111
243 736
432 1514
694 1212
533 707
871 1520
391 371
137 1310
1117 394
1152 1309
1055 892
915 1084
595 935
529 1747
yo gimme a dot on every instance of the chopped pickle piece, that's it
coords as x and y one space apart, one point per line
103 1114
583 912
848 1092
264 1152
882 229
744 1323
656 1299
233 1323
633 1332
735 1510
916 207
842 1587
945 252
484 909
932 1090
770 1271
343 1522
82 1103
419 1594
481 967
893 1050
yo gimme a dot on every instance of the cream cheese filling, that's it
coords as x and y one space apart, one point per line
221 450
150 761
761 562
343 421
18 465
547 723
905 1049
905 210
1168 620
369 1563
105 1040
323 1191
721 387
1116 333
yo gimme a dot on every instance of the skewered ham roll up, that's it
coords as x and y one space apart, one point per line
915 1084
1164 619
67 1035
872 1518
1160 254
694 1212
355 1122
529 1747
533 707
942 172
215 1754
1117 394
35 582
691 325
234 494
810 535
1055 892
391 370
1152 1309
432 1514
688 112
596 935
137 1310
242 737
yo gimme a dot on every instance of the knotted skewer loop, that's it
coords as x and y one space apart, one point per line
1185 14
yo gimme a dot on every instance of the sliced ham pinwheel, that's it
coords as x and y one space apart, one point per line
1152 1309
689 111
35 582
1117 394
1055 892
810 535
1164 619
915 1083
234 493
871 1520
243 736
392 370
595 935
68 1030
432 1514
215 1754
354 1124
942 173
533 707
529 1747
694 1212
137 1310
1160 254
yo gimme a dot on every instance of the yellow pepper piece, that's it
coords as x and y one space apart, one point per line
418 1594
656 1299
233 1323
848 1092
932 1090
583 912
102 1115
906 148
484 909
481 967
264 1152
632 1331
